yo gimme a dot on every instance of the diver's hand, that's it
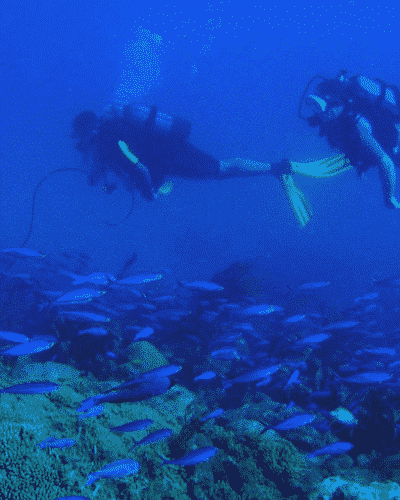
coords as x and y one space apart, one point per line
393 203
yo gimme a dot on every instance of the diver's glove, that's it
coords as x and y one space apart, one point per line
284 167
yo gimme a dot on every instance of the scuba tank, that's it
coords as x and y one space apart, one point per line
161 122
377 93
367 92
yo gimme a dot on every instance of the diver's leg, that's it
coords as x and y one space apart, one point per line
241 166
388 178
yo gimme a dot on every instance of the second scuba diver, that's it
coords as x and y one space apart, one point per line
361 118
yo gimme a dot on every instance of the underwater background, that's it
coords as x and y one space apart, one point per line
220 270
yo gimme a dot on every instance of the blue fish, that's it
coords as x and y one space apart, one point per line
194 457
14 337
168 315
128 307
153 437
255 375
332 449
84 316
205 376
227 338
95 278
340 325
144 333
92 412
73 497
139 278
139 391
88 404
47 440
378 351
247 327
204 286
214 414
79 295
369 296
314 339
31 388
162 371
368 378
44 338
97 331
27 348
126 291
294 319
119 468
56 443
136 425
225 353
292 422
261 310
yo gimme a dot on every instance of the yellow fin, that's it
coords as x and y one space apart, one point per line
124 148
326 167
297 200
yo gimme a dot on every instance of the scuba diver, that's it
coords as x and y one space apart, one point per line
361 118
140 146
112 145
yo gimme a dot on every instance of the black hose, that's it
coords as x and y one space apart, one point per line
65 169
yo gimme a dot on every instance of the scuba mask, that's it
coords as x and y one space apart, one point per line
325 109
323 99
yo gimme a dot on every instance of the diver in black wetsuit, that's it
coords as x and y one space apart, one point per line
360 117
113 144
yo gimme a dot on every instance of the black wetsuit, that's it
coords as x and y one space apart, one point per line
164 154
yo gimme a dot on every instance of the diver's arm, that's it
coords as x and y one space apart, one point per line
386 164
396 149
389 179
317 168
